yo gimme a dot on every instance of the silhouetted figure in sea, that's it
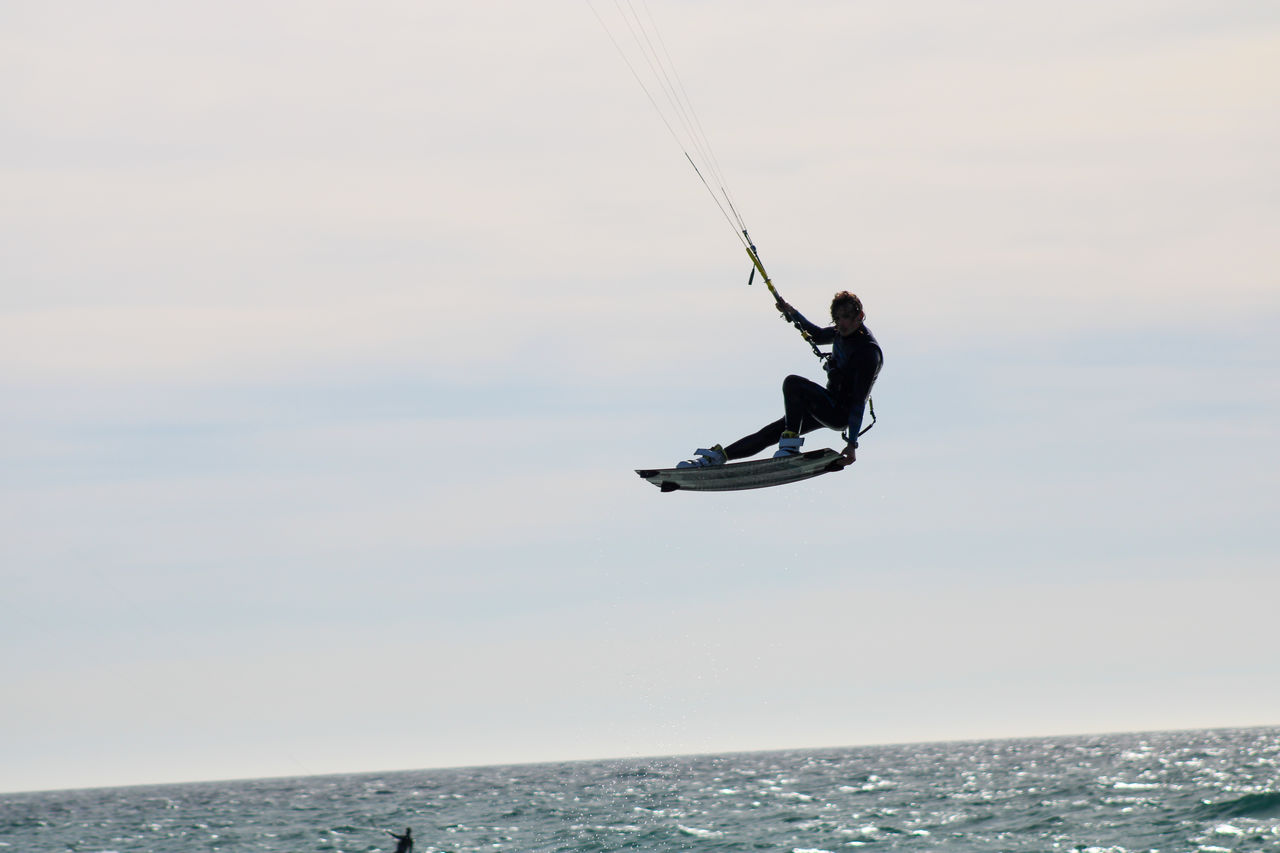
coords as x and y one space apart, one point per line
405 842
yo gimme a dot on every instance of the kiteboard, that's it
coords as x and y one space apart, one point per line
754 474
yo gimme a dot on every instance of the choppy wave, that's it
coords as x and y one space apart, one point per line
1211 792
1260 806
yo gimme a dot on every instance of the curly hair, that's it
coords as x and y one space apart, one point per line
845 298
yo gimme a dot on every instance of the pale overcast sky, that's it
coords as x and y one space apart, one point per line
330 334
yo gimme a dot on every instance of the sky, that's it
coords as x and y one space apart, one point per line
331 334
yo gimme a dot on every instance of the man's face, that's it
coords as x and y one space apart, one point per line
848 319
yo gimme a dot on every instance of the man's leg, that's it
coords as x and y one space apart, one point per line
750 445
807 405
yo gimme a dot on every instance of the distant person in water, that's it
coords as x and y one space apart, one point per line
851 368
405 842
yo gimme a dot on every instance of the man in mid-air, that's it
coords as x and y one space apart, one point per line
852 368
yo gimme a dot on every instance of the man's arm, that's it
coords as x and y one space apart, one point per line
818 333
863 378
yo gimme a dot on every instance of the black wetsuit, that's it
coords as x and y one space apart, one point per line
851 371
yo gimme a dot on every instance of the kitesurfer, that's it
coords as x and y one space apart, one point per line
852 367
404 842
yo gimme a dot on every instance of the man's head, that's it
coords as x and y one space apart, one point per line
846 312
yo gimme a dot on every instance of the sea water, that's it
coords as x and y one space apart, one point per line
1204 791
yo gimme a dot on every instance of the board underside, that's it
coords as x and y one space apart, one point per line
755 474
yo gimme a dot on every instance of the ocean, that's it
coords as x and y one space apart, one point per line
1210 791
